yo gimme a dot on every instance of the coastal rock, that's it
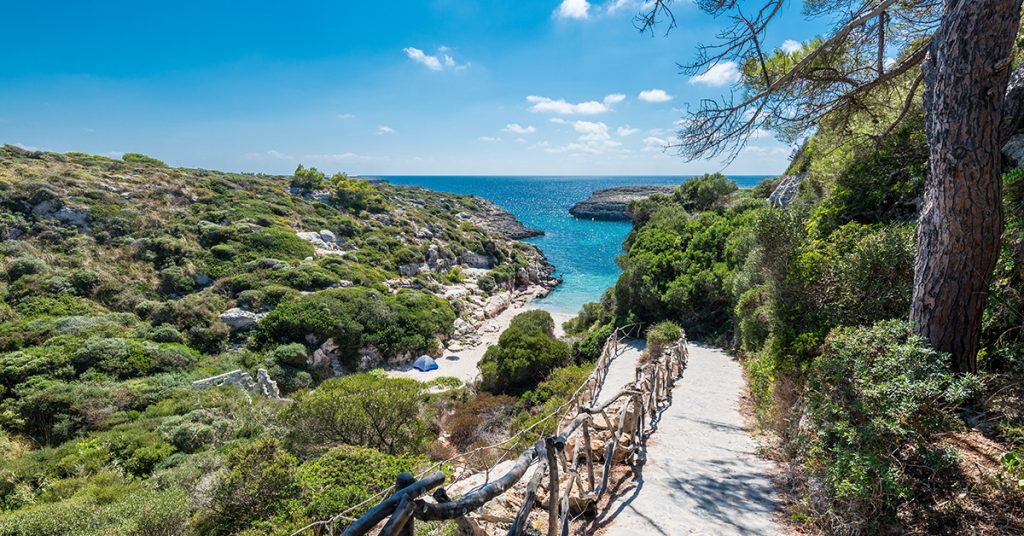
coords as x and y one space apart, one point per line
478 260
239 319
498 220
611 203
786 190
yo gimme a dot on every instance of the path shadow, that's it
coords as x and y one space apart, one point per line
624 497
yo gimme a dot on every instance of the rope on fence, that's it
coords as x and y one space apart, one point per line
638 405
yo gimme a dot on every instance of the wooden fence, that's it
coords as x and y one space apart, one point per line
576 470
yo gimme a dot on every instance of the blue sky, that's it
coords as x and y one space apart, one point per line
402 87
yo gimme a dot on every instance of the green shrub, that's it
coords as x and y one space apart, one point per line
348 475
137 158
174 280
589 348
405 322
293 354
195 430
357 195
876 399
22 266
524 355
308 179
704 192
144 511
661 336
261 477
360 409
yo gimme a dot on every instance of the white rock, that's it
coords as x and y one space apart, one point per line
240 319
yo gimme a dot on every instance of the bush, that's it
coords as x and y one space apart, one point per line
137 158
661 336
22 266
704 192
589 348
524 355
357 195
308 179
876 398
144 511
347 475
360 409
261 476
483 417
403 323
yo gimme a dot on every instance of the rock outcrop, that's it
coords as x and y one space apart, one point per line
610 203
498 220
786 190
239 319
262 385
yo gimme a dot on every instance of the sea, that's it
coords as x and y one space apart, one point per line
582 250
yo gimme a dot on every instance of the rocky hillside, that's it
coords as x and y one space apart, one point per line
210 260
611 203
151 318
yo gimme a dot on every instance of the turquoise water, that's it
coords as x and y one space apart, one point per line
582 251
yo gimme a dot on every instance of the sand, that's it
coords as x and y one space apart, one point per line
462 364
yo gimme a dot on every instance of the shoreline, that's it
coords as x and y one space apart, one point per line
462 363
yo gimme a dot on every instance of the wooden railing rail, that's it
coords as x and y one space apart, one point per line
572 483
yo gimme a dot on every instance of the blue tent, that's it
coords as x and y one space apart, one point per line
424 363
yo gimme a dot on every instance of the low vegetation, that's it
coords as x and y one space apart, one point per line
116 283
813 298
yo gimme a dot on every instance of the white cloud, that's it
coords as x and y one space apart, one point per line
655 95
419 56
561 106
655 144
489 139
594 138
557 120
617 5
573 9
790 46
626 131
384 129
718 75
337 157
439 62
345 116
272 154
516 128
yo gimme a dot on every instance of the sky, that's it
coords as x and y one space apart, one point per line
427 87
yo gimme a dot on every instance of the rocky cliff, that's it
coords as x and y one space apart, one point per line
611 203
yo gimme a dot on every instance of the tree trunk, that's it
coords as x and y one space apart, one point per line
966 74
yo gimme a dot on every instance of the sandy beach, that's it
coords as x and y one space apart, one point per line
462 364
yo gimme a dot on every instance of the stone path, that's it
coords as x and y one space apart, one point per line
701 474
622 370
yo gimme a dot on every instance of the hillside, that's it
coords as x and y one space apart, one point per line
124 281
808 279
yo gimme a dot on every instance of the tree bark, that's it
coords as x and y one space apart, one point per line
966 74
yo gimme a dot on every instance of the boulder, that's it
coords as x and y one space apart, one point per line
611 203
478 260
786 190
239 319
